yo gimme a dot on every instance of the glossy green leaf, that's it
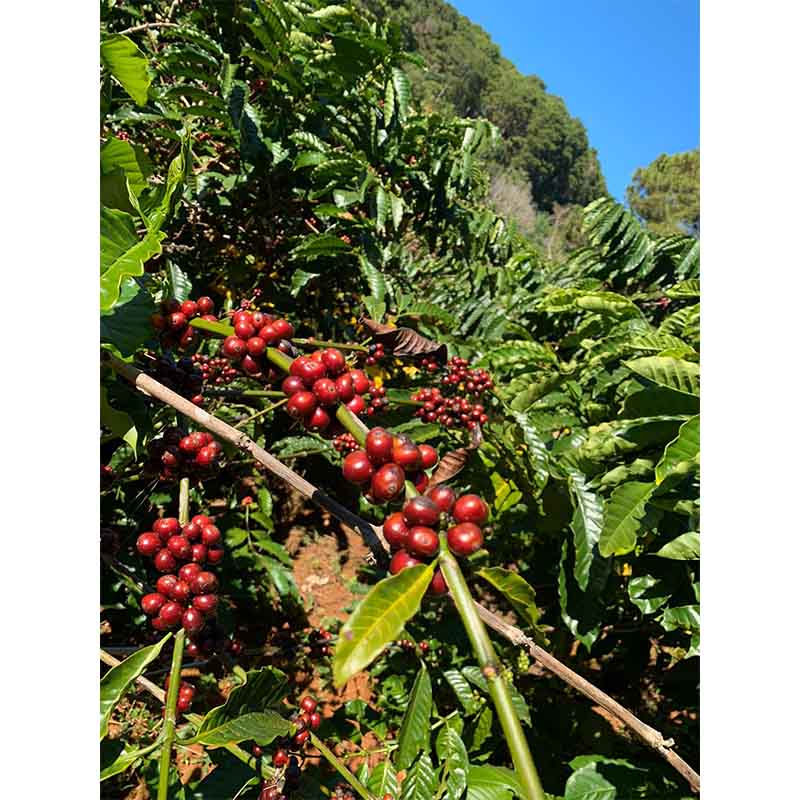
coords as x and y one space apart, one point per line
451 751
581 611
398 208
383 780
683 450
673 373
260 726
127 325
402 92
535 448
492 783
685 617
118 679
115 758
588 784
623 515
300 279
587 525
378 620
122 253
421 781
312 247
462 690
648 593
118 422
425 310
685 547
516 590
179 285
517 352
374 277
687 288
381 208
414 730
476 678
128 64
482 729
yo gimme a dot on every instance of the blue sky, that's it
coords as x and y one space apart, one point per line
628 69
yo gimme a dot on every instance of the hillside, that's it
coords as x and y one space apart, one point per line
543 145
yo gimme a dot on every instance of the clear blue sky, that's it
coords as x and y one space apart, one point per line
628 69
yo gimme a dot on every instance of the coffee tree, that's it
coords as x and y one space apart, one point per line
306 304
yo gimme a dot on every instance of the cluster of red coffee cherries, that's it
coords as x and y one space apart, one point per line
473 381
215 370
253 333
318 382
185 695
345 443
386 461
375 353
188 597
449 411
413 534
172 323
176 453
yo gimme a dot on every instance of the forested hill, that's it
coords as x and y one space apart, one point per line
467 74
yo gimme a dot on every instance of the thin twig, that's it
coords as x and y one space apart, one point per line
147 26
373 537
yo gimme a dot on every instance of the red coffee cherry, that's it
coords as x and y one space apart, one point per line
318 421
165 584
205 305
292 385
256 346
379 445
166 527
356 405
207 603
301 738
334 361
199 552
148 544
206 456
171 613
421 511
470 508
244 329
325 390
164 561
241 316
211 534
395 530
234 348
356 467
151 603
307 369
429 456
360 381
309 704
201 519
191 531
344 388
177 321
192 649
443 496
420 481
301 404
215 554
260 319
438 585
192 620
190 308
180 592
180 547
465 539
250 365
400 560
423 541
270 335
315 720
189 444
283 328
204 583
388 483
159 624
280 758
189 571
407 455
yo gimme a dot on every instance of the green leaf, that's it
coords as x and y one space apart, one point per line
684 617
483 728
118 679
451 751
262 727
581 611
122 253
312 247
248 708
683 450
687 288
127 326
476 678
536 449
402 91
673 373
420 783
397 209
383 780
128 64
427 310
623 515
492 783
648 593
516 590
519 351
685 547
588 784
180 287
118 422
382 209
374 277
299 280
114 758
462 690
378 620
586 525
415 727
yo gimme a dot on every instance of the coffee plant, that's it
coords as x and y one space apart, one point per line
311 321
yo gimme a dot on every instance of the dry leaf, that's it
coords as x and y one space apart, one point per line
404 341
453 462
